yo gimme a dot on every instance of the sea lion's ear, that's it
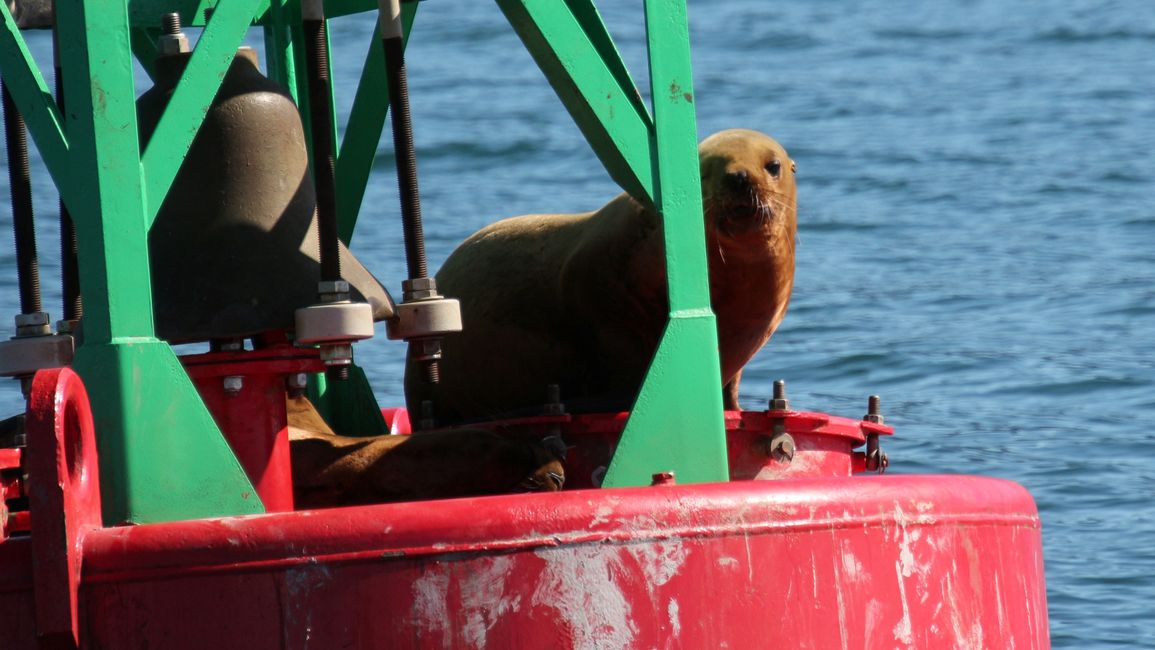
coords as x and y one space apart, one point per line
555 445
793 166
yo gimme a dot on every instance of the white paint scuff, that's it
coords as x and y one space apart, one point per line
903 633
483 598
580 584
660 561
852 569
675 622
430 612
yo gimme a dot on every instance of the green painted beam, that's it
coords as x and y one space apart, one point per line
677 421
335 8
592 90
32 97
366 123
349 406
279 53
192 97
147 13
105 184
161 455
594 27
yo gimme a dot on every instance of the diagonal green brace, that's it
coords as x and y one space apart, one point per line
32 97
576 54
162 457
677 422
191 99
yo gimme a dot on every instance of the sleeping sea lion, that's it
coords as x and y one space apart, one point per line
333 470
580 300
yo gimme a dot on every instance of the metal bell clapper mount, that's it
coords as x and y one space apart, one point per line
334 324
422 319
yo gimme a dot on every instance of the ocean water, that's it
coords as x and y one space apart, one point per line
976 184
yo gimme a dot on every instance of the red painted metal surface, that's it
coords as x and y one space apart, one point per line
11 488
821 561
824 444
64 492
897 561
397 419
245 392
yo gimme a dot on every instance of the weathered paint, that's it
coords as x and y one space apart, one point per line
839 561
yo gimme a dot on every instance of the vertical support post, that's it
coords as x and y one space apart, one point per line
279 47
677 421
162 456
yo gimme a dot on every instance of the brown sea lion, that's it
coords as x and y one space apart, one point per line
333 470
580 300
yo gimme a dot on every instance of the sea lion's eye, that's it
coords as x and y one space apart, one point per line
774 168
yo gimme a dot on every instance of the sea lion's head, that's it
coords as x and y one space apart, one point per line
747 185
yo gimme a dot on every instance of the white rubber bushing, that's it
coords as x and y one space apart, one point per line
423 318
336 321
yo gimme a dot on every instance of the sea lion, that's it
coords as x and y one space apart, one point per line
580 300
333 470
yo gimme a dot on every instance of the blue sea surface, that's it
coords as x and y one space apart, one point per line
976 184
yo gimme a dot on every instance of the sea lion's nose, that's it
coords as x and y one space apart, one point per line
737 180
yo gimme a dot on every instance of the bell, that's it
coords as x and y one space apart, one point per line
234 250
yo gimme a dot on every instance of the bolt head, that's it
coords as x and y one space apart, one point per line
783 449
233 384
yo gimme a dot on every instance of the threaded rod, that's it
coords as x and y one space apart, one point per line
19 174
324 158
406 155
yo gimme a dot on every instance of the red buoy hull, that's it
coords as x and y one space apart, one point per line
895 561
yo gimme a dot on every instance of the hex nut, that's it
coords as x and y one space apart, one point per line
173 44
340 354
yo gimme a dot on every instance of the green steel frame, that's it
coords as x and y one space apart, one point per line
162 456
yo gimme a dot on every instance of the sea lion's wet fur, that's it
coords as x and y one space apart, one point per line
333 470
580 300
